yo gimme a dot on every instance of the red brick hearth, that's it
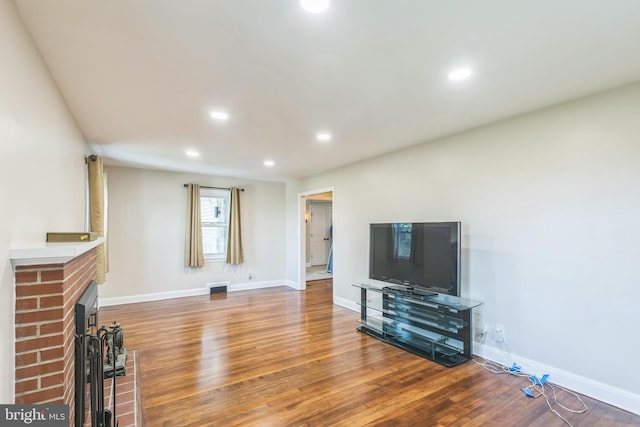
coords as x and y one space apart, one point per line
128 405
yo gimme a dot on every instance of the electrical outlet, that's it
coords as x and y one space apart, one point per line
250 276
499 333
483 333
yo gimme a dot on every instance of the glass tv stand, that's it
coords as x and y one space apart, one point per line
434 326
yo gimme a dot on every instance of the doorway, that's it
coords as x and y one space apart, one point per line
316 237
320 230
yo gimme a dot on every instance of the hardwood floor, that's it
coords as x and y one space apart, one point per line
281 357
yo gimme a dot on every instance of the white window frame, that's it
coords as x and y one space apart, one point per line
224 194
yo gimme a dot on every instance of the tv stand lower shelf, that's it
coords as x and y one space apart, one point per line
436 327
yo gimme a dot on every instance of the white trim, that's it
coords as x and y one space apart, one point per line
350 305
105 302
210 285
215 258
316 191
131 299
603 392
256 285
51 253
343 302
294 285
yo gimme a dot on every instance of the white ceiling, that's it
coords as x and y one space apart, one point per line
140 76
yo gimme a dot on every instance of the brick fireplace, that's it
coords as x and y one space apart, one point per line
49 282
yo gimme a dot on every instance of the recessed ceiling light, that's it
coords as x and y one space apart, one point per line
221 116
269 163
323 136
192 153
314 6
460 74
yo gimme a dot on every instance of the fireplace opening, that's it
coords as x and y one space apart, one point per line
99 354
88 382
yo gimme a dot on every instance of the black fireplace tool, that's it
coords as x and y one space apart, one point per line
101 367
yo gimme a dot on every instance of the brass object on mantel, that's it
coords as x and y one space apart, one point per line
71 237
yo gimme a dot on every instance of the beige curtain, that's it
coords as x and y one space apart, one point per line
234 241
194 252
97 213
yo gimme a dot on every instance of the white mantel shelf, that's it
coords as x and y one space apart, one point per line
51 253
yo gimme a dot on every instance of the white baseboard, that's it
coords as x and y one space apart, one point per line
105 302
294 285
210 285
256 285
343 302
603 392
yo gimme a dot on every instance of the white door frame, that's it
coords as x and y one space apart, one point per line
302 235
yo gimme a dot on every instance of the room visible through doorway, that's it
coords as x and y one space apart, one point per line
317 237
318 272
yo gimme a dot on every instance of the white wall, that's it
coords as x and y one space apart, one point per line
292 234
550 207
147 213
41 167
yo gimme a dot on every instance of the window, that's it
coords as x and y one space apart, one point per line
402 241
214 216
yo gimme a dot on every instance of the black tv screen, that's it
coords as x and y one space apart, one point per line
423 255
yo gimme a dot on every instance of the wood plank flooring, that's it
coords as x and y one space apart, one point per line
281 357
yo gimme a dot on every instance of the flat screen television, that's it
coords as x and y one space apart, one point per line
424 256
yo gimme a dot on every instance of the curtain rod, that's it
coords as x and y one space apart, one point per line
216 188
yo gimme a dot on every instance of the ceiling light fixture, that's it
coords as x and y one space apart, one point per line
323 136
314 6
220 116
192 153
269 163
460 74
